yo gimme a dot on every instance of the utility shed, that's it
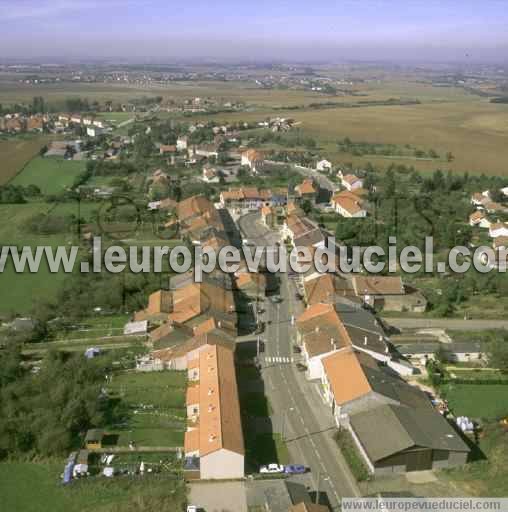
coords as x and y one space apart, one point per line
93 439
397 438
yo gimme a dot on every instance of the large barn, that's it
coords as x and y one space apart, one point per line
413 439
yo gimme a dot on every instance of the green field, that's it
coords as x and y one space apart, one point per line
51 175
477 401
116 117
33 487
17 152
20 290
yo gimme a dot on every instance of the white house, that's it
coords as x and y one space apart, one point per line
480 198
479 219
94 131
252 159
210 174
348 205
324 165
498 229
351 182
182 143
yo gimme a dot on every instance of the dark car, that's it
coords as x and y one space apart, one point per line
295 469
301 367
297 349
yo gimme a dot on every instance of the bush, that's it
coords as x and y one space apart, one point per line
353 457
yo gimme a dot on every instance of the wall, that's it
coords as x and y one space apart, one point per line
457 459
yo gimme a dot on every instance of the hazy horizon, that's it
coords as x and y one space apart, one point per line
411 30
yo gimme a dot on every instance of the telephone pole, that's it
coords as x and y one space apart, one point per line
318 484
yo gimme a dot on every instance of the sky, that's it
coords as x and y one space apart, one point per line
420 30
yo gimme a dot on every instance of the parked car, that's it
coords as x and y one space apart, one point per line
272 468
275 299
295 469
192 508
301 367
297 349
298 296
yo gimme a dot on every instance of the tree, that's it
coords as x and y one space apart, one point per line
143 146
498 353
498 196
307 207
38 106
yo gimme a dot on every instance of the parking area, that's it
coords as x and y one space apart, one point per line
218 496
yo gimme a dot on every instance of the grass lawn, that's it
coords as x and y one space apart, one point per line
477 401
160 389
487 476
51 175
95 327
31 487
156 403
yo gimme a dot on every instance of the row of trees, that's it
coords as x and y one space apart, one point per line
17 194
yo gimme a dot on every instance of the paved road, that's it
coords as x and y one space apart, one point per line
300 415
446 323
324 181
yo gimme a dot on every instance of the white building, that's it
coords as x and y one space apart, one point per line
351 182
182 143
324 165
498 229
479 219
348 205
94 131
